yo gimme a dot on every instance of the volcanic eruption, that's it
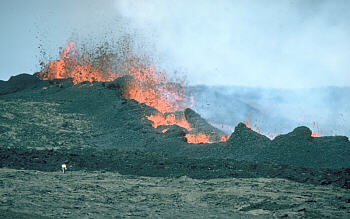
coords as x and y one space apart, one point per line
147 85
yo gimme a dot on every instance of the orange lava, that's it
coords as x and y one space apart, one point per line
224 138
153 88
148 86
247 124
169 119
72 65
314 134
197 138
318 132
255 127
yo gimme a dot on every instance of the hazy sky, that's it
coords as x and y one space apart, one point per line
265 43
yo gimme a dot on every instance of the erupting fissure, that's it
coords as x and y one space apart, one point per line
198 138
77 66
148 86
318 132
248 124
169 119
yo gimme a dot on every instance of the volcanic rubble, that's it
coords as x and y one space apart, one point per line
91 126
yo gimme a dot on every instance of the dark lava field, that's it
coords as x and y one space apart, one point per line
120 166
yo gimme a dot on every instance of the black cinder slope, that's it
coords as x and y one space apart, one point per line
57 114
246 143
18 83
300 148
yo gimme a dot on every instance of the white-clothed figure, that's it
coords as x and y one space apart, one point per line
64 168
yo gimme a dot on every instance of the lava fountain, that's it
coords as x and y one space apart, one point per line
148 85
79 67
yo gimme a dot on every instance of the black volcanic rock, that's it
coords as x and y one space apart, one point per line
301 133
4 129
201 125
97 116
246 143
244 134
196 120
18 83
120 83
300 138
63 83
175 131
300 148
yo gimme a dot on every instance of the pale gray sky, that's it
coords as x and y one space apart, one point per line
265 43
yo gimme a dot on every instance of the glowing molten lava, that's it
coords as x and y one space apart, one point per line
72 65
248 122
169 119
197 138
319 131
153 88
224 138
147 85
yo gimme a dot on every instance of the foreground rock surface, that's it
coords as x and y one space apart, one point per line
80 194
158 164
